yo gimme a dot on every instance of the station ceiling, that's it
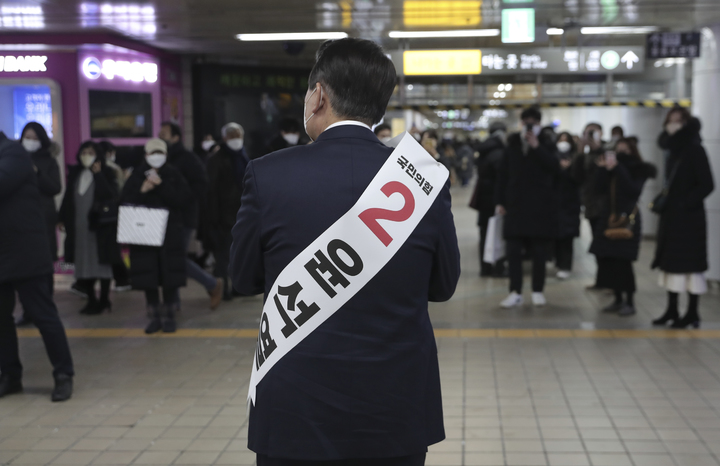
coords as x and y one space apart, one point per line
209 27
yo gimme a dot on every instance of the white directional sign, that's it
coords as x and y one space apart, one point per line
630 59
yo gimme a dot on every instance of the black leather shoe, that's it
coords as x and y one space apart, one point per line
63 387
9 385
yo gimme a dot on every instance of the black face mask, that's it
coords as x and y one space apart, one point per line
623 154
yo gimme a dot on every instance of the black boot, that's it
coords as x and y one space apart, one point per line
155 324
692 317
671 313
63 387
104 303
10 385
227 290
169 325
92 305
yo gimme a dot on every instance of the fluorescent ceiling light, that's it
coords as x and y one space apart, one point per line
555 31
618 30
452 33
292 36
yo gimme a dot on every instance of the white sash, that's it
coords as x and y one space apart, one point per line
339 263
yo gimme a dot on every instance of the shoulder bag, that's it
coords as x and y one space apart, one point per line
619 227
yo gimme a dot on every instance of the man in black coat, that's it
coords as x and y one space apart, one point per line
289 136
26 268
492 151
527 197
226 170
196 176
363 388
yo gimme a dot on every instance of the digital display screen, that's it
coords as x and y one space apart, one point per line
120 114
32 103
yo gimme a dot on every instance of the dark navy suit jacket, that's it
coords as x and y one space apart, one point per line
365 384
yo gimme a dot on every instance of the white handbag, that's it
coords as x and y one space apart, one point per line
494 243
142 226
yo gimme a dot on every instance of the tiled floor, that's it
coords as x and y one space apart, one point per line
520 388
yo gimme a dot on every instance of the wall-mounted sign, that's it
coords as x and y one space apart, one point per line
673 45
441 62
590 60
135 71
518 25
23 64
32 103
442 13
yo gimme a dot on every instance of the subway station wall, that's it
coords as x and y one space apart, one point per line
645 123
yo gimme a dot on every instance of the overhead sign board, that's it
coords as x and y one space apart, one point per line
94 68
518 25
23 64
427 13
586 60
673 45
441 62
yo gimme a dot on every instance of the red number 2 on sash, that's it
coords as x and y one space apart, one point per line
371 216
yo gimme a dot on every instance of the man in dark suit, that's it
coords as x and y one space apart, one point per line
26 268
364 387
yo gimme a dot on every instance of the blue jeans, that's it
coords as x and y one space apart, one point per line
196 272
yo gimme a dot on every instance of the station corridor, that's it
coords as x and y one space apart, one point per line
561 386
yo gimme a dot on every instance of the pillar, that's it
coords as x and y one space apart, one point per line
705 95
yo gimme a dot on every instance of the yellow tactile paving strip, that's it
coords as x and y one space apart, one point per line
439 333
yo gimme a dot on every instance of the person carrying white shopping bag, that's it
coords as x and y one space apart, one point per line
494 243
153 197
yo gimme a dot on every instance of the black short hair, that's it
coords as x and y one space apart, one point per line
618 129
96 147
39 131
383 127
107 146
597 125
289 125
175 129
357 76
431 134
532 112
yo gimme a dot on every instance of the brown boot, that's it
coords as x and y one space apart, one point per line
216 295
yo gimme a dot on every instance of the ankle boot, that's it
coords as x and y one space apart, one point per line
169 325
153 311
671 313
63 387
692 317
10 385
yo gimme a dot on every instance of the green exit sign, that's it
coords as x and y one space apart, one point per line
518 25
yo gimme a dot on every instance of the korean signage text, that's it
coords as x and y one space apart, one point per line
135 71
673 45
23 64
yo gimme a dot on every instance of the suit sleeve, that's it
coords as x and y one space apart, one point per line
246 256
446 260
14 170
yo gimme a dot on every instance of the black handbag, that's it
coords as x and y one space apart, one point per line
659 204
103 213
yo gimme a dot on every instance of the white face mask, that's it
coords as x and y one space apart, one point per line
563 146
87 160
207 145
31 145
291 138
305 120
156 160
386 140
671 128
235 144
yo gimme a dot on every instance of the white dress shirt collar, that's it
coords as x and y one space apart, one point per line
347 123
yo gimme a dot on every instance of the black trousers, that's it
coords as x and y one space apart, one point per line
36 295
538 249
170 296
412 460
564 253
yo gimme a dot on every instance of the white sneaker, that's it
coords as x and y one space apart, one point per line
538 299
514 299
563 275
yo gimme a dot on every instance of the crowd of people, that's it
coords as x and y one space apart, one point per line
541 183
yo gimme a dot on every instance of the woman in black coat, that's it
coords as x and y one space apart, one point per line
569 198
89 216
158 185
681 251
37 143
620 184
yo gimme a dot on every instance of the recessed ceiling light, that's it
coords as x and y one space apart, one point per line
618 30
451 33
292 36
555 31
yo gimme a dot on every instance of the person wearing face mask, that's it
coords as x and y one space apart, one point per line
527 197
620 178
89 217
616 133
209 146
364 387
569 198
488 163
196 177
289 136
681 248
159 185
383 133
36 142
226 170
